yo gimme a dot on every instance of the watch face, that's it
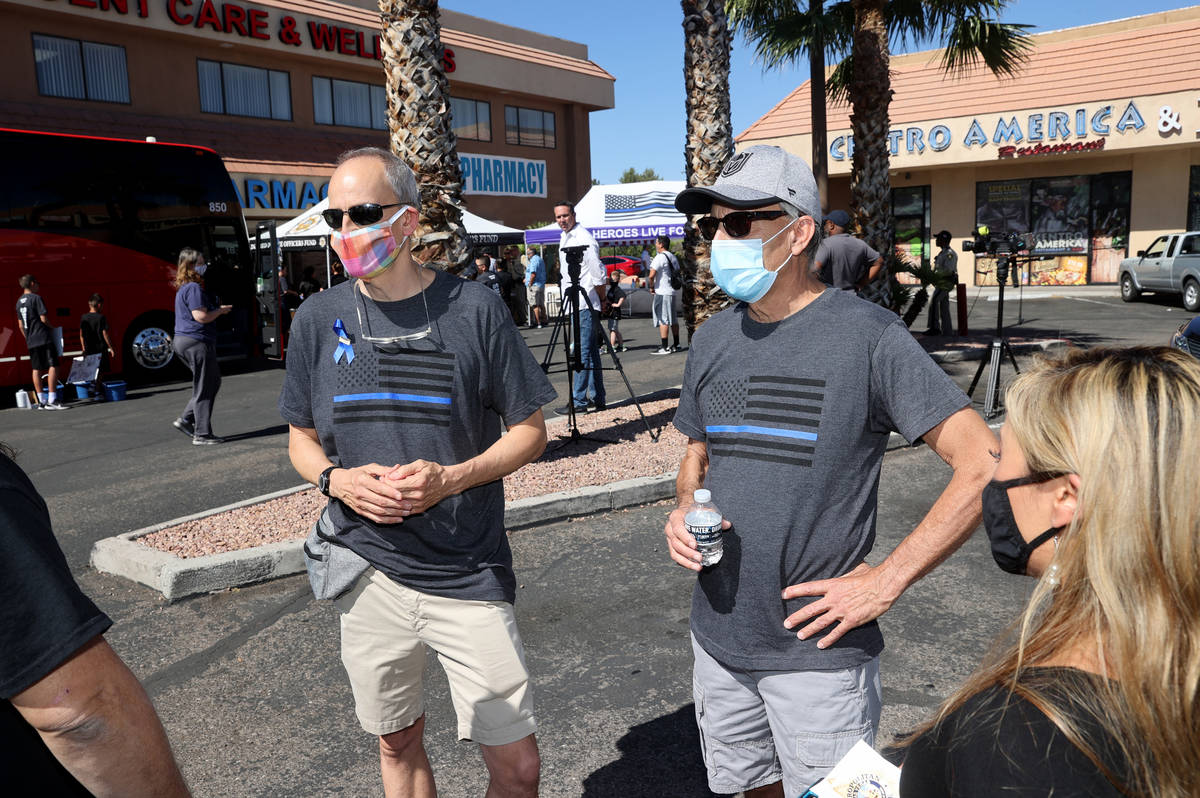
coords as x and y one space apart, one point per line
323 482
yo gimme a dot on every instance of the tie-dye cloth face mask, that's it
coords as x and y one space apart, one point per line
371 250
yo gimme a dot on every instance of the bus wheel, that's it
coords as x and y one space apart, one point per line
148 349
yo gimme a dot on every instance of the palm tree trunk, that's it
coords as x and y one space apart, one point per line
870 97
816 86
708 143
419 125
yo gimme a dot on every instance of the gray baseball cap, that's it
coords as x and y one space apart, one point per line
757 176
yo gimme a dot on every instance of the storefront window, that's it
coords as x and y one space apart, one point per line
240 90
472 119
528 126
349 103
1193 212
80 70
910 222
1078 224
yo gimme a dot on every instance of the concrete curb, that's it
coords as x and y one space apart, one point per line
176 577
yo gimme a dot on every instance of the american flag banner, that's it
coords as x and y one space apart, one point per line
772 419
624 207
413 387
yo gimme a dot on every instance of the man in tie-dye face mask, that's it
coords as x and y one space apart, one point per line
398 384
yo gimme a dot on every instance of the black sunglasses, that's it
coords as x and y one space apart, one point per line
367 213
736 224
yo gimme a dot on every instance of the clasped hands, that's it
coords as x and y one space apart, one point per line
389 494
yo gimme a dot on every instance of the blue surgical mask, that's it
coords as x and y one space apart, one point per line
737 267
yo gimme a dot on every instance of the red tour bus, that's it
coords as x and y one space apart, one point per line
86 215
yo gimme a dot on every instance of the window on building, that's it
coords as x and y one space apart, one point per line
1079 225
529 127
1193 210
910 222
240 90
349 103
472 119
80 70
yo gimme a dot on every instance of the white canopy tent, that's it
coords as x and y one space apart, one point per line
623 212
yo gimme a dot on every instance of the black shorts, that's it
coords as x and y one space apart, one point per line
43 357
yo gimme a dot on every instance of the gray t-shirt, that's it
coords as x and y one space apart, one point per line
442 399
844 260
796 416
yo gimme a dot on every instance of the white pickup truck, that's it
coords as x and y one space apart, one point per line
1169 265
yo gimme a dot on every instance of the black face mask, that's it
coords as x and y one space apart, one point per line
1009 548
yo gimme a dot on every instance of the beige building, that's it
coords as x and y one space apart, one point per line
1091 151
280 87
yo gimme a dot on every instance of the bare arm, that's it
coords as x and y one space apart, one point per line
107 341
425 483
963 441
680 543
99 723
872 272
205 316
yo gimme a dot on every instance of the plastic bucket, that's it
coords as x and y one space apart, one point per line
23 400
82 390
114 391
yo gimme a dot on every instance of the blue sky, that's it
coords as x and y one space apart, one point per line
640 42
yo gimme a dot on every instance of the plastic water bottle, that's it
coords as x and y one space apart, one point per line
703 521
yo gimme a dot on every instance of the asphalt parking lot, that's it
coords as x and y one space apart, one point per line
249 682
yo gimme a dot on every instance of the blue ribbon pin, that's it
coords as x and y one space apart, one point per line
344 349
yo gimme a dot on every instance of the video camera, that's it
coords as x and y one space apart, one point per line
993 244
574 258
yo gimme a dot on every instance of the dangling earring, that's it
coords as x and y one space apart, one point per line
1052 577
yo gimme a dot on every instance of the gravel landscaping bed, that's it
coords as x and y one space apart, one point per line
623 450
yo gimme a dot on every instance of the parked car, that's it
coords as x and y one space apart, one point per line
1169 265
1188 337
613 263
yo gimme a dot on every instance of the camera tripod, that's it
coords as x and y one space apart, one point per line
574 359
999 347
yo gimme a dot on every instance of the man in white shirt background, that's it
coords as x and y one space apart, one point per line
659 284
588 392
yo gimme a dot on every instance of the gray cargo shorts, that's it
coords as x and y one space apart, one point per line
757 727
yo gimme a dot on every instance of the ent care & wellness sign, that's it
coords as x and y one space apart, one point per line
242 21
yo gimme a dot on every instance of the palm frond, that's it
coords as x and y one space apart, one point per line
1002 47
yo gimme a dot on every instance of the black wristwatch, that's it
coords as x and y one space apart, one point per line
323 480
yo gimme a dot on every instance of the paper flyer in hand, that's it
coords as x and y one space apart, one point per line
862 773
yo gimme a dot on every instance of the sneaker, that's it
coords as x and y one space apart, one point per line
599 407
661 351
622 348
206 440
52 406
566 409
186 427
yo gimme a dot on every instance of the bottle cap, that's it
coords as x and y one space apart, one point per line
702 496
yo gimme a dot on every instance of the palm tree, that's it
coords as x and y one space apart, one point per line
419 125
708 143
859 32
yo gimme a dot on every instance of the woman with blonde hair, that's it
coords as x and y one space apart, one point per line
1096 493
195 343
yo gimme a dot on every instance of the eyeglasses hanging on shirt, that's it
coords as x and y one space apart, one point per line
394 344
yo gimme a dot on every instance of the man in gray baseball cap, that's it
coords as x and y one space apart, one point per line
844 261
788 399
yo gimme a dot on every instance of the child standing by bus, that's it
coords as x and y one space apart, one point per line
93 331
43 353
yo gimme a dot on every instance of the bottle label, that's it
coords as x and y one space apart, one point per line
706 535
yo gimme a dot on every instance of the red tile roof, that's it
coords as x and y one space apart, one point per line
1155 54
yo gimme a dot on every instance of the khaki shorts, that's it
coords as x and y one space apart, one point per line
385 629
536 295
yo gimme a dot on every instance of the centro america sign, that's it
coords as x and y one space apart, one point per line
1010 131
